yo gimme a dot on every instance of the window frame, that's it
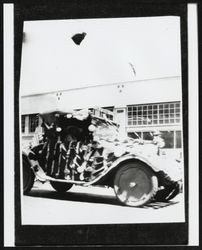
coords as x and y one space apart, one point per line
166 113
35 122
23 124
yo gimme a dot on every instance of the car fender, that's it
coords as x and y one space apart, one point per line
157 163
125 158
38 171
121 160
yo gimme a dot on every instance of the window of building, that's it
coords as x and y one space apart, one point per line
109 115
33 122
154 114
147 136
168 137
178 139
135 135
23 123
172 139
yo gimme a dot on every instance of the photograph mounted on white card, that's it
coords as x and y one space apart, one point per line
101 121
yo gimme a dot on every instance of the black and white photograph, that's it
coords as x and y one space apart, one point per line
101 121
101 128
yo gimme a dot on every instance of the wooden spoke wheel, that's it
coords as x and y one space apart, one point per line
61 187
135 184
28 176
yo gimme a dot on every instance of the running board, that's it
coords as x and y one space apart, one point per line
41 176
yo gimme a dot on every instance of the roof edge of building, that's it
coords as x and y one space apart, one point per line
99 85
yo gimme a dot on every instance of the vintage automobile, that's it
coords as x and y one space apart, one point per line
80 148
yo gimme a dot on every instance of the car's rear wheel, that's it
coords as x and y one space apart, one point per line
61 187
28 176
135 184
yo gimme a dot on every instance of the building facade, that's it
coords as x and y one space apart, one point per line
140 107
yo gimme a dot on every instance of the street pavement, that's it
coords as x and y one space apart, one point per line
92 205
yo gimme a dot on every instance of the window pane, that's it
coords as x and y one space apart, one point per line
33 122
163 113
144 113
168 137
178 139
139 122
147 136
155 111
134 135
144 122
23 124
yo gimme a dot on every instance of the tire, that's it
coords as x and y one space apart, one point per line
168 193
135 184
61 187
28 176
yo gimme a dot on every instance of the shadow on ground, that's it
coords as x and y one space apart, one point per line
91 198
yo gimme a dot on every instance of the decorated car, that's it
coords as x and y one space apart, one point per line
80 148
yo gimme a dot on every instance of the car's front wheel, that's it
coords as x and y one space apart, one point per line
135 184
61 187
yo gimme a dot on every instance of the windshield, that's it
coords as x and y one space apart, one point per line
105 129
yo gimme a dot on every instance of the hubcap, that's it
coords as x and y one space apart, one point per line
134 185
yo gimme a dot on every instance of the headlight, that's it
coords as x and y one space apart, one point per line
91 128
58 129
69 116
